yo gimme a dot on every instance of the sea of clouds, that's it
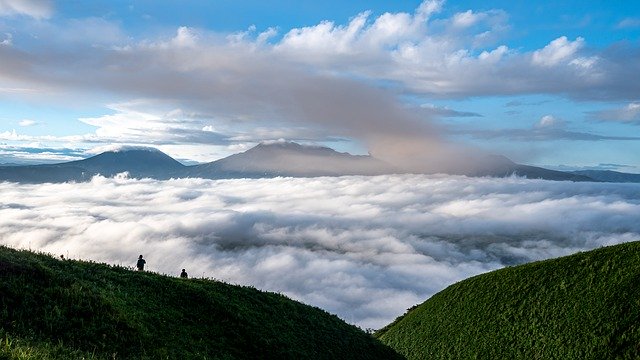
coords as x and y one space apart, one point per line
364 248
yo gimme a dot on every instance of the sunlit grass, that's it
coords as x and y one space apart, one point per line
61 309
19 349
584 306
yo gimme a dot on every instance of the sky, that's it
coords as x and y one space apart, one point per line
366 248
546 83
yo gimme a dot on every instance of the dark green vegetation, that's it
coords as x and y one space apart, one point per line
584 306
55 309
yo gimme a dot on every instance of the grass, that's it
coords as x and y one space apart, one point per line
54 309
584 306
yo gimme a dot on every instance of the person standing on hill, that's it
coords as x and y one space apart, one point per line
183 274
140 263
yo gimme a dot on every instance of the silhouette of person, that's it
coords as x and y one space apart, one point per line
183 274
140 263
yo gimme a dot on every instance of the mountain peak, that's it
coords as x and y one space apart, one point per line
287 158
139 161
119 148
289 145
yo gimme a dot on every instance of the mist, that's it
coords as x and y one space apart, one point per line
364 248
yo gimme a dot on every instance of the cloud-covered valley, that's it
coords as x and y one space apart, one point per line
364 248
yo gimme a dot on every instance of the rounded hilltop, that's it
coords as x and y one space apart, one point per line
584 306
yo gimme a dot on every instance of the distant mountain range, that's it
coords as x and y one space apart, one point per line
266 160
609 176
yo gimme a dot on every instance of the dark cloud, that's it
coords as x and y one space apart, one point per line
365 248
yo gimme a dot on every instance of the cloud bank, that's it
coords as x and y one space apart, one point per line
365 248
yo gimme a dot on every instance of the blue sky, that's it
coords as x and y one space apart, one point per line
555 84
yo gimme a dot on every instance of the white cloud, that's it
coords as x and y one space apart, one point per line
457 56
39 9
365 248
185 37
264 36
557 51
147 121
27 122
465 19
585 62
325 37
360 39
13 135
8 40
494 55
549 121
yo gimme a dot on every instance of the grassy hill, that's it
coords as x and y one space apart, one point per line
585 306
55 309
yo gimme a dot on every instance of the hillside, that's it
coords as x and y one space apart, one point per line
61 309
585 306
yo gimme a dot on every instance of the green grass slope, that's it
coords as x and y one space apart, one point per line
584 306
54 309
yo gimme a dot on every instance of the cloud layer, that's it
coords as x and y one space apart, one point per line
365 248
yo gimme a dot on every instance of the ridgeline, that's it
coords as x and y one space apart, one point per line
62 309
584 306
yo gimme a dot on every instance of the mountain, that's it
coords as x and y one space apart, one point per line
289 159
610 176
583 306
64 309
292 159
138 162
264 160
501 166
534 172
